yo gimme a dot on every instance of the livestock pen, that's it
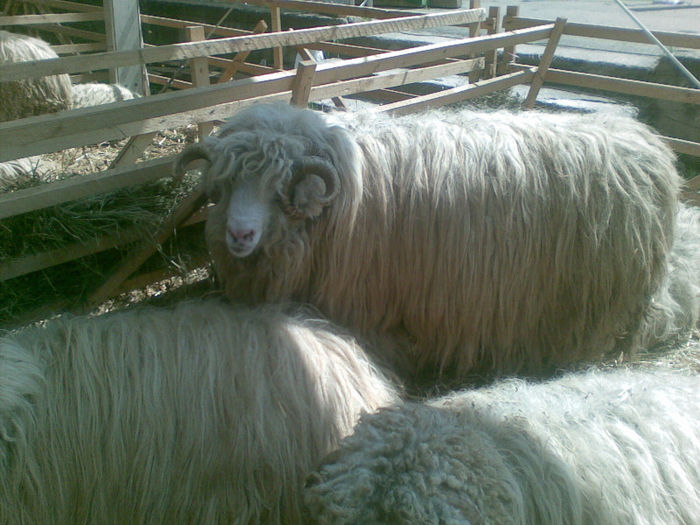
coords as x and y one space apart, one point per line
219 79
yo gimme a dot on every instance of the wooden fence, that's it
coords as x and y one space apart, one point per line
375 72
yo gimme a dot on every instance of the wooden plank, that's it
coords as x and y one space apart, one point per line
136 258
160 80
166 81
30 199
494 27
301 88
329 72
276 19
72 31
41 261
39 68
474 31
42 134
57 18
181 24
243 67
133 150
233 67
620 85
199 69
450 96
545 62
332 9
346 50
123 29
305 54
683 146
693 184
509 56
67 6
393 78
91 47
613 33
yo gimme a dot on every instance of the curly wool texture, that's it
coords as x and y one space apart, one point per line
610 448
24 98
199 414
473 241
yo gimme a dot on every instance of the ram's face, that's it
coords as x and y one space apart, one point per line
261 191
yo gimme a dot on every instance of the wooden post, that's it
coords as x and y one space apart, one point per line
276 20
123 28
509 55
305 54
301 88
199 69
545 62
491 57
474 31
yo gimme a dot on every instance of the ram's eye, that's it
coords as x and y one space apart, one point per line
214 195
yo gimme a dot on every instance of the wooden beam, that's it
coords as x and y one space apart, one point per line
58 18
33 263
684 146
450 96
332 8
301 88
42 134
277 52
494 26
67 6
135 259
68 49
40 68
509 56
621 85
133 150
545 62
181 24
199 69
50 194
166 81
393 78
306 55
612 33
233 67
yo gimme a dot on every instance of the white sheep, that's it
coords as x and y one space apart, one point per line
675 308
476 241
96 93
14 173
202 413
606 448
24 98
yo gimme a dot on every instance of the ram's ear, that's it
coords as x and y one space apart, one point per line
313 186
189 155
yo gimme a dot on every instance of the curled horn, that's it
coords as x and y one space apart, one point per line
304 197
189 155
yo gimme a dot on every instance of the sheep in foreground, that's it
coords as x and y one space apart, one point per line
477 241
24 98
96 93
619 447
199 414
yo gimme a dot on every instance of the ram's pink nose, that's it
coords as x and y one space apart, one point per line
242 235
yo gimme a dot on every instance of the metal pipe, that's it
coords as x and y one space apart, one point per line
656 41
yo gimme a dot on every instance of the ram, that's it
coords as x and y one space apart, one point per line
203 413
612 448
473 241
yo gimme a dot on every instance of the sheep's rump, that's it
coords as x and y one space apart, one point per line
604 448
24 98
199 414
480 241
96 93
